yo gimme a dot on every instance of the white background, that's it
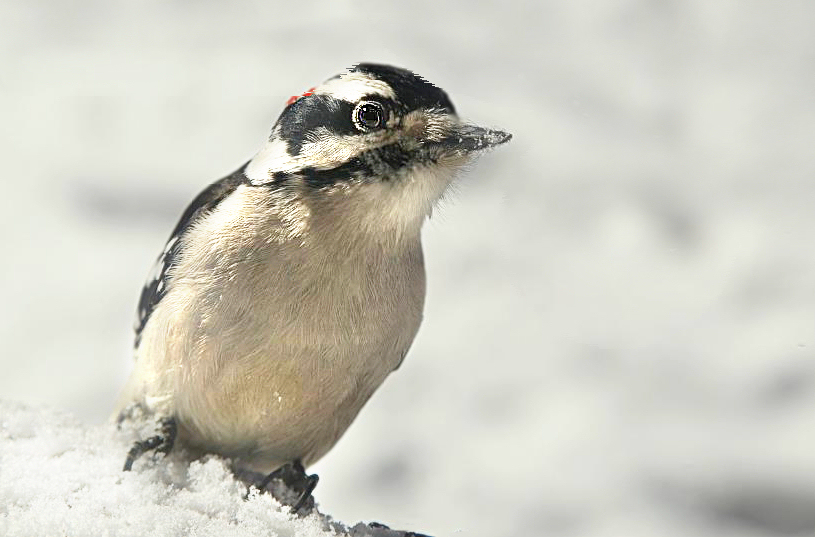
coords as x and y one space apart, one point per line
620 324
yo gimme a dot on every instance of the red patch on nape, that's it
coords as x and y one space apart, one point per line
306 93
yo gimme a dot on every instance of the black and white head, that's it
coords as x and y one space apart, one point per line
376 141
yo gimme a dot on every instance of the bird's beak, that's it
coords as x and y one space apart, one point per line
466 138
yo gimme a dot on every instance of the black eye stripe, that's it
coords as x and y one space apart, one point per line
310 113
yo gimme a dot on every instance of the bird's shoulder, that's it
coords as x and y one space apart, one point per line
157 282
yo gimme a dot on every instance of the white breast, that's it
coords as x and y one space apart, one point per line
280 321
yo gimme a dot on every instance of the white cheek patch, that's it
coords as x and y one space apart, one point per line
352 87
272 157
322 150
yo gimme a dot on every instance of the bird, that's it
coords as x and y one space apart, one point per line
291 288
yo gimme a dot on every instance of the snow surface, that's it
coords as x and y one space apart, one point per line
59 477
619 336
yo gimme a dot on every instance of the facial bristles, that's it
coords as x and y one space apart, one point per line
435 124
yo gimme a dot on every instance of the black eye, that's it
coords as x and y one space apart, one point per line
369 115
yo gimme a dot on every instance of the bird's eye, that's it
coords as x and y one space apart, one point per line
369 115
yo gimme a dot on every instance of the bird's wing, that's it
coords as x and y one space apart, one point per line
156 286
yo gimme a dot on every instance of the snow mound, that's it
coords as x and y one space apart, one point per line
60 477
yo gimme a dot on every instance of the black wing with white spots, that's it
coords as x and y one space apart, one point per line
156 286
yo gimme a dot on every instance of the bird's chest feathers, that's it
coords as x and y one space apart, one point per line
269 285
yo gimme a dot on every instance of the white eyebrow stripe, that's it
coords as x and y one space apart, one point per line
352 87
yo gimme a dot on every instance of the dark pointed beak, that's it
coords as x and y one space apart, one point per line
470 138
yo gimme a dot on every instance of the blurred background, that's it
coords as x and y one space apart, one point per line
619 336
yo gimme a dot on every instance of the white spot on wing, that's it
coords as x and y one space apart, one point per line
170 243
158 266
155 272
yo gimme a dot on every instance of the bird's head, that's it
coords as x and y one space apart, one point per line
375 139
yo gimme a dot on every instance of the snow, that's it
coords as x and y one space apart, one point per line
60 477
618 337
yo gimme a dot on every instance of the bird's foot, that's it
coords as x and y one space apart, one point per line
131 413
292 486
161 443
